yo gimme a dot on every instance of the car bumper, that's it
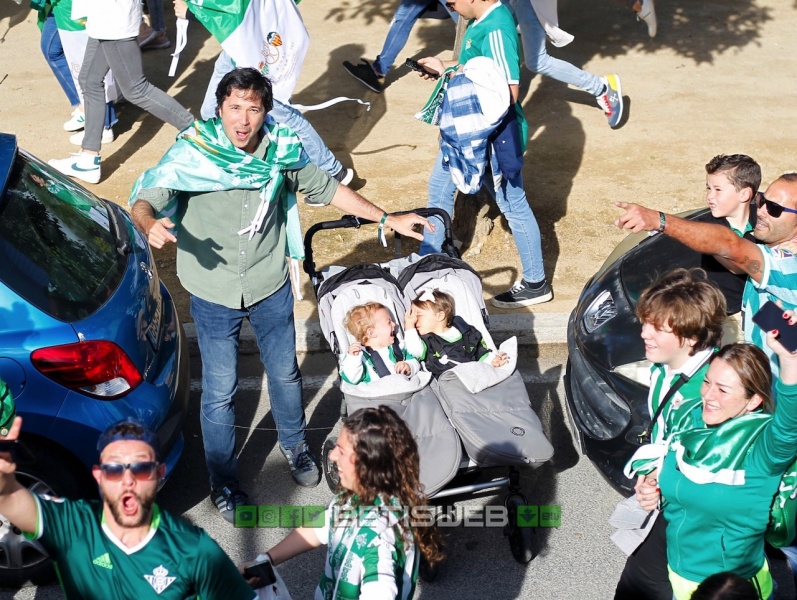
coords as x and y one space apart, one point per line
601 425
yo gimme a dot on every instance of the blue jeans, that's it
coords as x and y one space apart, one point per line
218 330
54 55
156 16
315 147
512 203
537 58
398 34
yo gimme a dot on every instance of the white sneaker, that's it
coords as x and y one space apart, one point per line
77 121
647 13
77 138
85 167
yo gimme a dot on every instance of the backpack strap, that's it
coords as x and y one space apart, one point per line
644 436
376 360
397 352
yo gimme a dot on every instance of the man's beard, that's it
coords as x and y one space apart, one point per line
144 513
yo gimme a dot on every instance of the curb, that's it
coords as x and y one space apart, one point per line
531 330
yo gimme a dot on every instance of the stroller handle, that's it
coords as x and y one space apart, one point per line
348 221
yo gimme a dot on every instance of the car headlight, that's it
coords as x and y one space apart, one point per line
638 371
600 310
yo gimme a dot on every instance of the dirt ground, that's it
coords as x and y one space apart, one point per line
718 78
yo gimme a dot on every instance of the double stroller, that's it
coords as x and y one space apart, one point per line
473 416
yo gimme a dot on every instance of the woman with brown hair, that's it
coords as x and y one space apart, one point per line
372 544
721 466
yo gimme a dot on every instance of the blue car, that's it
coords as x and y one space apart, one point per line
88 335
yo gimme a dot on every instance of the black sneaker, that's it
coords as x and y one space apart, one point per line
226 500
365 74
344 176
304 465
522 294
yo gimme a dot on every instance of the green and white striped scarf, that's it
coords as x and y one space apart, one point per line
203 159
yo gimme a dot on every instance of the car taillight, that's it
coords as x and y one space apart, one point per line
97 368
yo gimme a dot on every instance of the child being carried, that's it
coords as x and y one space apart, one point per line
442 340
377 352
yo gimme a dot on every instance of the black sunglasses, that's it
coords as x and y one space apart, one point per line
142 471
774 209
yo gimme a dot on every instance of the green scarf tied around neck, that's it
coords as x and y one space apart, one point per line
203 159
716 455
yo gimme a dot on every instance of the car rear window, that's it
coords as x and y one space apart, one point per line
56 242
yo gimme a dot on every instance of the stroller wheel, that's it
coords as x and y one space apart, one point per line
330 468
521 539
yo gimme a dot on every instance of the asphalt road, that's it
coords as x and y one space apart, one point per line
575 560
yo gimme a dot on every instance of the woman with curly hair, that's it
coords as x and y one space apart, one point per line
373 549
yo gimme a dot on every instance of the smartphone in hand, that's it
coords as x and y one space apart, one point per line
263 570
416 66
770 317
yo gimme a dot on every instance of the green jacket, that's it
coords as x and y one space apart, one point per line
711 526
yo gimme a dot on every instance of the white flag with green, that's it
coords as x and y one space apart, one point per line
268 35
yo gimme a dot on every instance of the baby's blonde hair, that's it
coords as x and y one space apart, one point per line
361 318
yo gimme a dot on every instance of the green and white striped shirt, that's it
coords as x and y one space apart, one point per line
367 556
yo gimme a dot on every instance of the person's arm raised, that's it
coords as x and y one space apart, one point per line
706 238
349 201
17 504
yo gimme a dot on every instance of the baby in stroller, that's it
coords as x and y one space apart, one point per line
441 339
376 352
473 416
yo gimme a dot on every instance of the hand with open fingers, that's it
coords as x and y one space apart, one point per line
160 233
433 64
355 349
8 463
405 225
647 491
410 318
637 218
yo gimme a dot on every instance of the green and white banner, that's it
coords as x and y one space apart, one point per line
268 35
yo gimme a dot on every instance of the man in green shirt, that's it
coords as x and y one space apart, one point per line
123 546
234 181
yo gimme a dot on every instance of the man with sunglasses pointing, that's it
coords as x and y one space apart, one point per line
122 546
771 269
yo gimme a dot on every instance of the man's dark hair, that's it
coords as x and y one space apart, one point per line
128 429
741 170
248 79
789 177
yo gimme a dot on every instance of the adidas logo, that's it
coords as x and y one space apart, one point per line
103 561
